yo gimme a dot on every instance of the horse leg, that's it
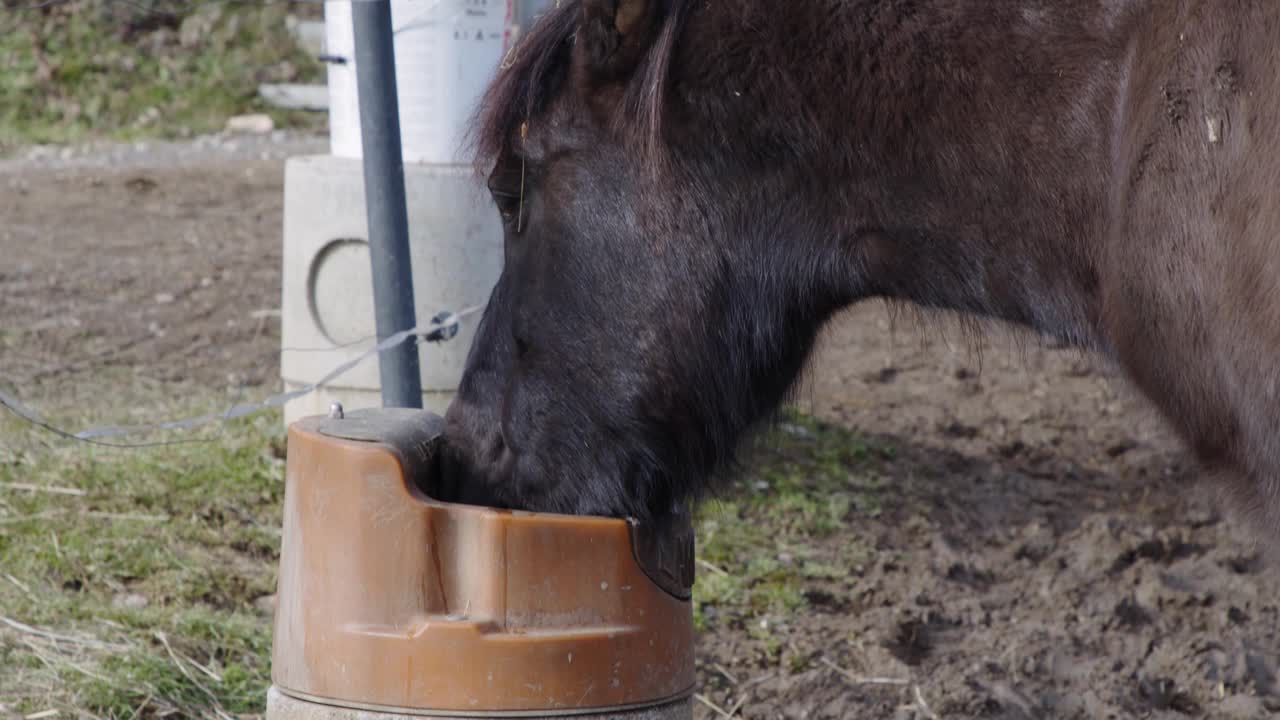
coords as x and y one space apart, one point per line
1191 310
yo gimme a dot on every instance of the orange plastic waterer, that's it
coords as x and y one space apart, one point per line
394 605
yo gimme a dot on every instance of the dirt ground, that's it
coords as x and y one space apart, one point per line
1046 553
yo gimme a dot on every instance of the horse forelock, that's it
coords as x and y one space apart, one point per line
522 87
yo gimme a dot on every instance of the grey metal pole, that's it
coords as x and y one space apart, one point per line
398 369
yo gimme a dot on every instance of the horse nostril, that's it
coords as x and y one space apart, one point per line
522 347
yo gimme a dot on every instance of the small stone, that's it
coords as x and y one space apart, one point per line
164 298
1214 127
130 601
259 124
266 604
295 96
141 184
796 430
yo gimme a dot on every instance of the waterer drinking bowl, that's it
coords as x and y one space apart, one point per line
392 604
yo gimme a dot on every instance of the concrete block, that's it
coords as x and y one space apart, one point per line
309 34
286 707
295 96
327 318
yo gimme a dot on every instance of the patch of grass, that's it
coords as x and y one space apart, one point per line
87 69
762 544
135 576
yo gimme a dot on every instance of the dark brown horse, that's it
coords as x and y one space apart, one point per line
692 188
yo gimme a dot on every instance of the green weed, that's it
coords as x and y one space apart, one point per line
761 546
80 69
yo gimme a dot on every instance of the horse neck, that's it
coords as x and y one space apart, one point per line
974 146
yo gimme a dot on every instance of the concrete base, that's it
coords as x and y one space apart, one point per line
285 707
455 239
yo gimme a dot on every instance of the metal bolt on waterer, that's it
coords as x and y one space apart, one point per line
394 605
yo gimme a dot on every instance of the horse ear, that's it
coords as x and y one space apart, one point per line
615 33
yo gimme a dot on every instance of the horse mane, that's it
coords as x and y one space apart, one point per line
528 77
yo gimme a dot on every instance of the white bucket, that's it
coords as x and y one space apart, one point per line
446 52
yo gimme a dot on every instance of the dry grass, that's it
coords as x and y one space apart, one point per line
132 583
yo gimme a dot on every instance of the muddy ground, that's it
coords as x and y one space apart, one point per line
1046 552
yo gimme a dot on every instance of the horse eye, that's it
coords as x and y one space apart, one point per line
508 203
506 186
